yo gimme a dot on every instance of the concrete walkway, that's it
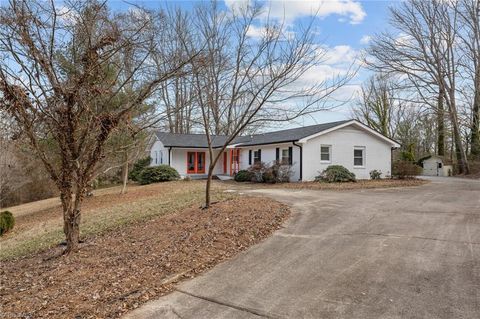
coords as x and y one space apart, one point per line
392 253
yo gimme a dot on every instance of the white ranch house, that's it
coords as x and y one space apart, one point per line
309 150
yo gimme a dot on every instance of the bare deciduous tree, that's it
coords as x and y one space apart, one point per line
377 105
241 80
424 51
63 79
469 17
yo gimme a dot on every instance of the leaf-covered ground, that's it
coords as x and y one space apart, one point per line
118 270
360 184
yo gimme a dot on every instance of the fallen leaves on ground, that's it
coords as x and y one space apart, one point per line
119 270
360 184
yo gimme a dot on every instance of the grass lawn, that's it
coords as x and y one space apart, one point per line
38 225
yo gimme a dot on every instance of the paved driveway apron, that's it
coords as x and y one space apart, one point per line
390 253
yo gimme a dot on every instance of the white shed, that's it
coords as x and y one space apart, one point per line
434 166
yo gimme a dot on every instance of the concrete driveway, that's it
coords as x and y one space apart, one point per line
391 253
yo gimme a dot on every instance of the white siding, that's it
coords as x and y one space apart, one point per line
430 167
343 141
159 154
269 156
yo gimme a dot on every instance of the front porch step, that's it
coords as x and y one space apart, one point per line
196 176
223 177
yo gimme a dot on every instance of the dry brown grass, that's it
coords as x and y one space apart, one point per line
38 225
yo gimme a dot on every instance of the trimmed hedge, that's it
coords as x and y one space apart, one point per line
139 165
7 221
335 174
243 176
156 174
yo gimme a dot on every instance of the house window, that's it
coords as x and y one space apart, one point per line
285 156
359 156
156 157
160 155
256 157
325 153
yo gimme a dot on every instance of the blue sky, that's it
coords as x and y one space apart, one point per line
344 27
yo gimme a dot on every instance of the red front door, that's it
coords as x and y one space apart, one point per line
225 162
195 162
200 162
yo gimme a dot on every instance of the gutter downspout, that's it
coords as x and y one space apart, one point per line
301 159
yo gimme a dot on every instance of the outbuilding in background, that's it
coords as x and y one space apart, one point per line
434 165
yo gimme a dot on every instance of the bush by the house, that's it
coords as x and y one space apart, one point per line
375 174
336 173
266 173
277 173
243 176
155 174
405 169
138 166
7 221
257 170
268 177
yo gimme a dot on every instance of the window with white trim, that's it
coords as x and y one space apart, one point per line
285 156
325 153
359 156
160 153
156 157
256 157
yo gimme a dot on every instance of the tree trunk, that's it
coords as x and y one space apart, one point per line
71 218
463 167
440 124
125 173
208 186
475 133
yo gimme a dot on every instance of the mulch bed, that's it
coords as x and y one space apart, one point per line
359 184
118 271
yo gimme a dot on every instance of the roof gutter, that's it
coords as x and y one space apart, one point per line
266 143
301 158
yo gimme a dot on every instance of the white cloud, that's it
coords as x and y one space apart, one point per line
289 10
236 4
340 54
365 39
338 61
255 32
404 39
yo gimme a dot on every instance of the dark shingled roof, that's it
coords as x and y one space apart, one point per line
189 140
289 135
200 140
